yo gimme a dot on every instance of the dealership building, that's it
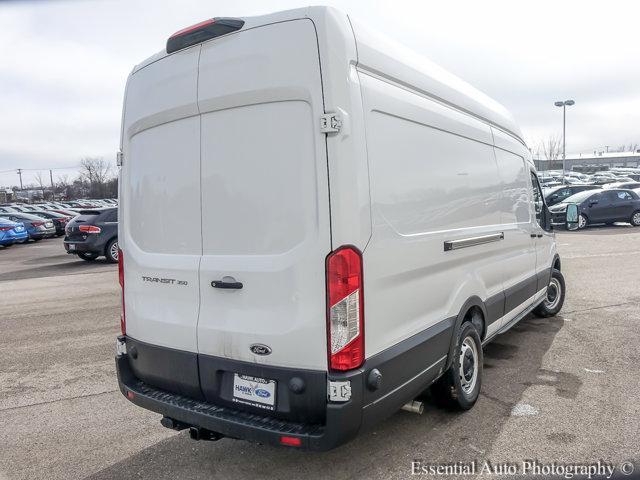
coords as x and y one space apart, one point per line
604 160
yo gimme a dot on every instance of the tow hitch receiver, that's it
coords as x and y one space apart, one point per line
173 424
197 433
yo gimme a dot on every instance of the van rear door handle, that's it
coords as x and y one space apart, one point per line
226 285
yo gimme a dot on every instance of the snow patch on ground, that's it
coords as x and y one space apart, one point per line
593 371
523 410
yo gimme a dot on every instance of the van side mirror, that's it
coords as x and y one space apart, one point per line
571 221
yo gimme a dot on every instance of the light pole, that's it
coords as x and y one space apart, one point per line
564 105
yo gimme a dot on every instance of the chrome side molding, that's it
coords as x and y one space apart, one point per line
472 241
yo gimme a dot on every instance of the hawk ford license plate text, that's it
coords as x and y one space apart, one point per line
254 391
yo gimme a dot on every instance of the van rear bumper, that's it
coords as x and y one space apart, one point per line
342 422
167 381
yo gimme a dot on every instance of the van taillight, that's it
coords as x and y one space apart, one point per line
345 309
123 320
201 32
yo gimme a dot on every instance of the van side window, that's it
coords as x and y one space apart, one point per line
537 198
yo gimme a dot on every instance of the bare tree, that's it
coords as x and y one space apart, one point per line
551 147
95 171
632 147
40 181
62 185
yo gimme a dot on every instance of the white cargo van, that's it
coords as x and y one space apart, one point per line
316 226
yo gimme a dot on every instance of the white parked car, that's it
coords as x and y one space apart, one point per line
317 225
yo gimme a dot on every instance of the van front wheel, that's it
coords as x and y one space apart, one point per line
459 387
554 299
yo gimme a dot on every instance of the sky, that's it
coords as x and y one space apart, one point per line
64 64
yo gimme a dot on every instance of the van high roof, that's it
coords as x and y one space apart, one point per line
384 58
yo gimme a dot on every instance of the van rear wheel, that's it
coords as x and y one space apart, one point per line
459 387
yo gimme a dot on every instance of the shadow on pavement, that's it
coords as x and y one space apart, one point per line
74 265
512 363
615 229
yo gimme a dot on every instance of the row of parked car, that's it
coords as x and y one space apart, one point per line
90 226
596 204
615 176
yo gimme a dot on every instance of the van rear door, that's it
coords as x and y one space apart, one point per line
265 200
160 210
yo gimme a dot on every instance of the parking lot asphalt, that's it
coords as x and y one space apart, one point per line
563 389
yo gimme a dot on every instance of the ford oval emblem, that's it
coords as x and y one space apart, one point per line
261 392
260 349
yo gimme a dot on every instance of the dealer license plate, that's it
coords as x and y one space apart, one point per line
254 391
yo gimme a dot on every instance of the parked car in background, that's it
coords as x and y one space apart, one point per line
603 179
66 211
8 209
59 220
557 194
600 206
12 232
37 227
625 185
29 208
550 182
93 233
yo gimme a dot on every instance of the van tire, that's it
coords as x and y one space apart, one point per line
111 251
553 301
448 391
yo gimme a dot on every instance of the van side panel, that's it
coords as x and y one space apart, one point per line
543 247
347 150
433 179
160 203
381 55
516 213
265 197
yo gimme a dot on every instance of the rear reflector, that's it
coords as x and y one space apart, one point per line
123 319
201 32
345 309
291 441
